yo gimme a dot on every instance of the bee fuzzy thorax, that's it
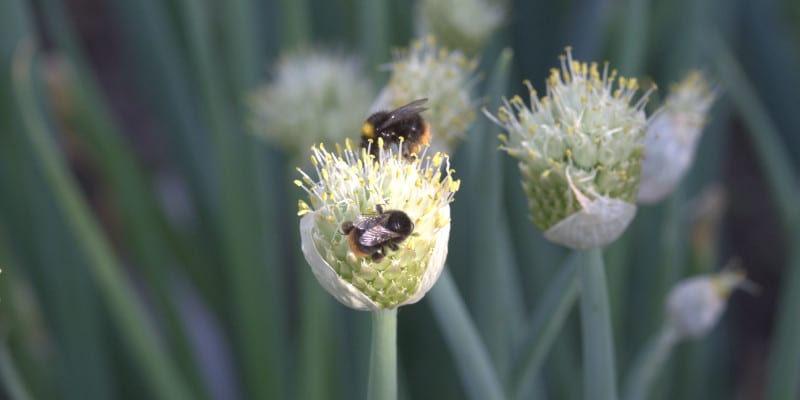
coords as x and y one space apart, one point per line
446 78
403 125
375 229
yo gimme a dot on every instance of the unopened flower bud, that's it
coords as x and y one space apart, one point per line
362 260
579 150
446 78
672 137
314 97
695 305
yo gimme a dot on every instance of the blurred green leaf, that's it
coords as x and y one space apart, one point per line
493 285
474 365
137 331
543 328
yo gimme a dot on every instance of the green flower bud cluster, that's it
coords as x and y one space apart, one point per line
580 150
350 183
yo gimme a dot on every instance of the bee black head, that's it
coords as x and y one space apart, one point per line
399 222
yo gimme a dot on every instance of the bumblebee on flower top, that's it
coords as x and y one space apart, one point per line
402 125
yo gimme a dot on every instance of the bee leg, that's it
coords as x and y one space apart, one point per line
378 255
347 226
379 208
394 246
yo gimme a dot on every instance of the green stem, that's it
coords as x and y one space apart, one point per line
547 322
256 341
784 358
383 360
14 386
472 359
136 328
634 37
375 24
295 24
764 135
647 366
598 344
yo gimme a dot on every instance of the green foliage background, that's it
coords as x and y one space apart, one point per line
109 292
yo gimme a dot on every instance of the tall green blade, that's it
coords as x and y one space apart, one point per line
136 329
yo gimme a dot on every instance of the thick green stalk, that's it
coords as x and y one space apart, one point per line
634 37
295 23
784 358
784 361
257 342
648 364
138 209
781 176
374 35
14 386
134 326
472 359
561 294
314 375
498 290
383 359
600 380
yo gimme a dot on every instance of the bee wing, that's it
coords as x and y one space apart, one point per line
406 111
377 235
367 221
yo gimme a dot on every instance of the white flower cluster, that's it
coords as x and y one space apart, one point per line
580 150
351 183
460 24
314 97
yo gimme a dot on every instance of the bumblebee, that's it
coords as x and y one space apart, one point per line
402 124
371 234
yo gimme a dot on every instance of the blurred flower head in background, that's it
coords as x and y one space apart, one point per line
351 183
461 24
672 137
580 149
695 305
446 78
314 96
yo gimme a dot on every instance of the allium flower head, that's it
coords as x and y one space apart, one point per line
446 78
460 24
579 150
314 97
672 137
351 183
696 304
